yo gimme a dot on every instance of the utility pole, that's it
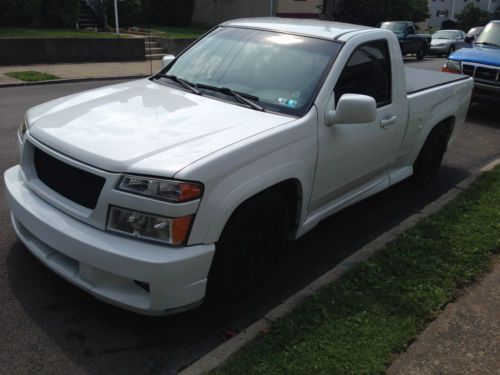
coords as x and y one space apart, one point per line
116 17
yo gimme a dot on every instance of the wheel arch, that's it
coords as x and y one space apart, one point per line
292 193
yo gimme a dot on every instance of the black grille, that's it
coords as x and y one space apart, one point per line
72 183
486 73
468 70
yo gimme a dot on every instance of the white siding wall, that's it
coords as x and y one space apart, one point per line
299 6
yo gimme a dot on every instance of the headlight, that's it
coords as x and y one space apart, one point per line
173 231
23 127
168 190
452 66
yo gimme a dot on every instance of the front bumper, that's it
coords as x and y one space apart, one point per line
139 276
483 88
442 50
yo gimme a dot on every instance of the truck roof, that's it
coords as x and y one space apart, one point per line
309 27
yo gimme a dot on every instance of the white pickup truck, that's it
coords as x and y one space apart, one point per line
149 194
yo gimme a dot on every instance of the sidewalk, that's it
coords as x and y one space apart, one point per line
84 70
464 339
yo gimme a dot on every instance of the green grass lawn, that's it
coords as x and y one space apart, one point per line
42 32
360 323
32 76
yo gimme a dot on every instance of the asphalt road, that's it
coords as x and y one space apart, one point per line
50 326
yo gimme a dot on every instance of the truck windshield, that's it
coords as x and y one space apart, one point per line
445 35
490 35
395 27
279 72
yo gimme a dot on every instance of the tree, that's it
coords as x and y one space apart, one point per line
372 12
472 16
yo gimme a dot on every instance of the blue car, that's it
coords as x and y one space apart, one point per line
481 61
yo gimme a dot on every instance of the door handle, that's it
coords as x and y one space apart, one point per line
388 121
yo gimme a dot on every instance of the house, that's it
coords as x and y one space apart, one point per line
212 12
443 10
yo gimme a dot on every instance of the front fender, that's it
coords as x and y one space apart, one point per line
241 171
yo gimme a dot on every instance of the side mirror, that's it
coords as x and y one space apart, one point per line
167 59
469 39
353 109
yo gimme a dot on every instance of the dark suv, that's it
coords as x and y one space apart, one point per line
409 41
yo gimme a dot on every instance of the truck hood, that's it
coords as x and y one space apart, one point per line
478 54
144 127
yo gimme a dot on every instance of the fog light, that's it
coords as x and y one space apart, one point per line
173 231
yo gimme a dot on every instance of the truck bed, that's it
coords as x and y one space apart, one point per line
420 79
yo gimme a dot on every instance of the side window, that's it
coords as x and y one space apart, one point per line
368 72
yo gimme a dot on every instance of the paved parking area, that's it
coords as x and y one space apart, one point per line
50 326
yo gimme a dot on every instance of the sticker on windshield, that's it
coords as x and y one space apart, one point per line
290 103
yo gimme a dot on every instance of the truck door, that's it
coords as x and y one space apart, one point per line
413 42
353 158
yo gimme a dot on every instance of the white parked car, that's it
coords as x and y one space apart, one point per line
445 42
148 193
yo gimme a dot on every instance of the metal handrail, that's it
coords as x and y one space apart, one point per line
99 9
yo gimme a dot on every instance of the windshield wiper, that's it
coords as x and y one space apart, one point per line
238 96
186 84
489 44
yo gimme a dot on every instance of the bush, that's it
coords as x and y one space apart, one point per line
130 13
60 13
170 12
19 12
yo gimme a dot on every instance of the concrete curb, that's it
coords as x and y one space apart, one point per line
219 355
73 80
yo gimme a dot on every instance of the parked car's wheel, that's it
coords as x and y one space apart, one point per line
421 53
249 245
431 155
451 50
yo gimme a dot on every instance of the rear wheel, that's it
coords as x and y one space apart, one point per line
249 245
431 155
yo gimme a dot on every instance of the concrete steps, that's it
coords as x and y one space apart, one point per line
153 49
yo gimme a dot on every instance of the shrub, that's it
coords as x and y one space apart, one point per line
19 12
61 13
130 13
171 12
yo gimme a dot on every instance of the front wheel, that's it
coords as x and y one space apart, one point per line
421 53
431 155
451 50
249 245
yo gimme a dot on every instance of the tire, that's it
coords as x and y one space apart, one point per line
451 50
249 246
430 157
421 53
